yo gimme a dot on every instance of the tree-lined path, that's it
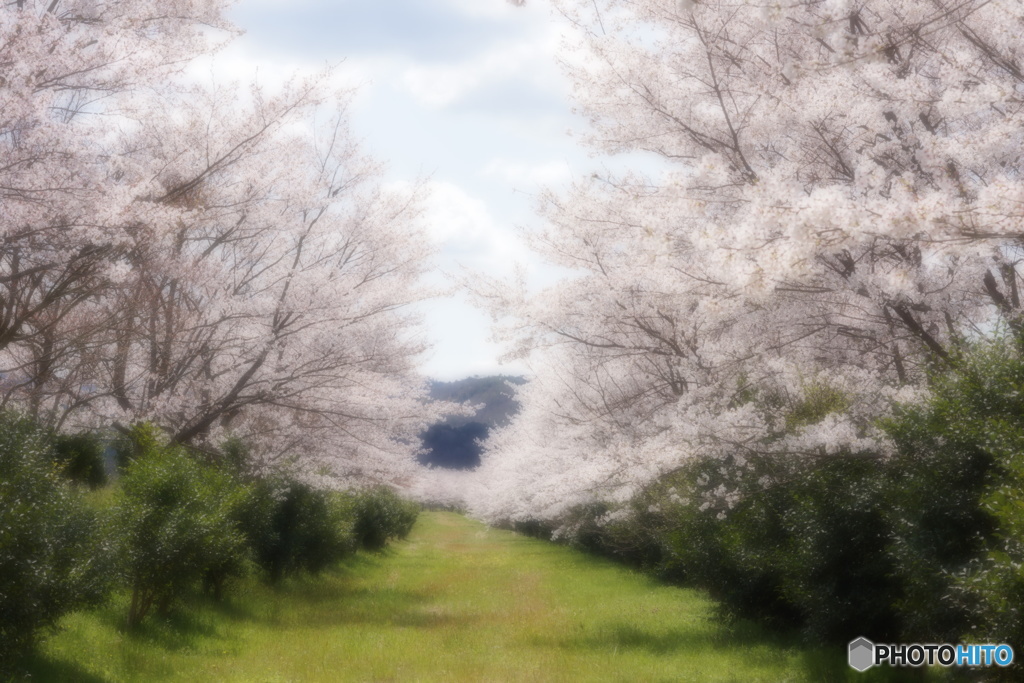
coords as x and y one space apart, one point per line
457 602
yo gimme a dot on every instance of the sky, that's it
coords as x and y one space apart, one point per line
463 93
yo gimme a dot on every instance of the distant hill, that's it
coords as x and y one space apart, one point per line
495 393
455 442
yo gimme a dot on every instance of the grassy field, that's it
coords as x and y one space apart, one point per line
456 602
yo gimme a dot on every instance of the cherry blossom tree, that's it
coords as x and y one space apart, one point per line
70 70
219 262
271 301
840 206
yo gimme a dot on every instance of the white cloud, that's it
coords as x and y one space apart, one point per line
484 8
470 240
467 234
520 174
440 85
464 346
242 61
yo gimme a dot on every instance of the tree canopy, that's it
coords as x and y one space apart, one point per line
217 260
840 210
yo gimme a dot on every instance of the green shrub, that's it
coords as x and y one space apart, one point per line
292 527
136 441
534 528
797 543
174 521
924 546
733 548
838 569
583 527
381 515
997 582
835 546
968 443
234 455
636 533
818 401
939 526
80 457
52 559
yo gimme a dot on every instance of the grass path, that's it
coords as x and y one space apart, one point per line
456 602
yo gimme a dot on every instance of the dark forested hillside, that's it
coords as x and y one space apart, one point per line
455 442
494 393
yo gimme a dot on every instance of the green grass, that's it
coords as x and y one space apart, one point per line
456 602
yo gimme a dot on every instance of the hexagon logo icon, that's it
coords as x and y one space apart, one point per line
862 654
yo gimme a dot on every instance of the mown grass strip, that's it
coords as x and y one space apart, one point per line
456 602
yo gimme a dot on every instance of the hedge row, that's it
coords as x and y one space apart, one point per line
926 545
174 523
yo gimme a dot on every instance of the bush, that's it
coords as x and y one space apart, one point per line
534 528
136 441
732 547
965 511
175 524
635 533
939 526
923 546
838 570
52 559
926 545
80 457
836 546
381 515
234 455
292 527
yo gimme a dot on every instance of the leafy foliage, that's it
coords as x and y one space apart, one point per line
381 515
174 522
292 527
135 441
969 441
52 557
818 401
923 545
82 458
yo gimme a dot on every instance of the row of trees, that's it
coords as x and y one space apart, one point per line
839 208
923 545
212 259
838 222
173 523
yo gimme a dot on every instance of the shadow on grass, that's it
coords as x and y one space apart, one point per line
39 668
734 637
188 622
339 603
328 599
622 637
193 620
661 642
743 640
830 666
